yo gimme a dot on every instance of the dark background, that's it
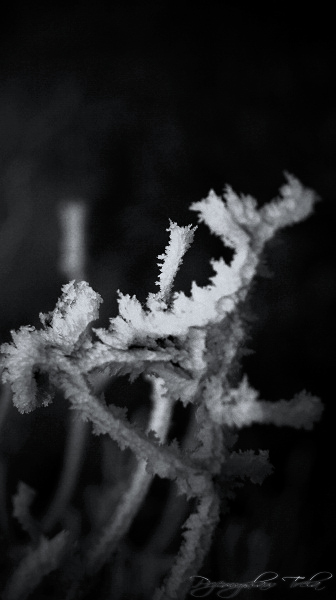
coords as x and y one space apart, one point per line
139 109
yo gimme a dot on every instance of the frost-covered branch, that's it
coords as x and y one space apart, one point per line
186 345
130 503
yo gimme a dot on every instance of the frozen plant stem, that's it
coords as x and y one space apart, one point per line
195 546
189 347
163 461
122 518
176 508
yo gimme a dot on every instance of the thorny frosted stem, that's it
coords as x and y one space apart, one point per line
195 482
245 230
129 505
197 539
191 480
176 508
195 546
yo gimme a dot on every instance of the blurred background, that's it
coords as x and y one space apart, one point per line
137 109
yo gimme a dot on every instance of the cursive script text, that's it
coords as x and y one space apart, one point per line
202 586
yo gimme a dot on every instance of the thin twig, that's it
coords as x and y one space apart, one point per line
130 503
